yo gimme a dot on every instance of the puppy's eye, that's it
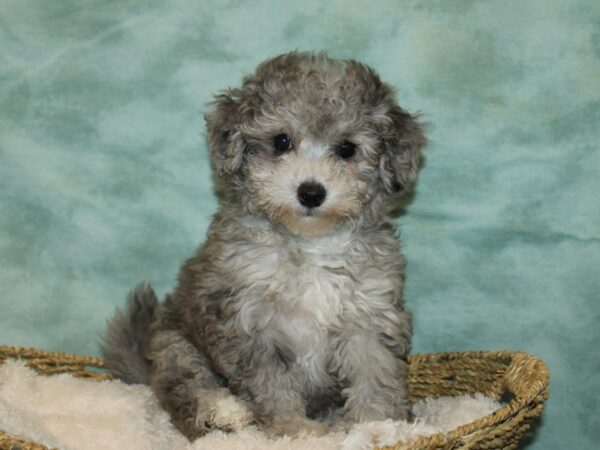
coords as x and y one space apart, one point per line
282 142
345 150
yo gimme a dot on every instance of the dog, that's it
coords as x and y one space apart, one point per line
290 315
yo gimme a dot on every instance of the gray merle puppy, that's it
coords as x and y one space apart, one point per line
291 313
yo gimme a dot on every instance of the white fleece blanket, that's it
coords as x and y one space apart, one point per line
70 413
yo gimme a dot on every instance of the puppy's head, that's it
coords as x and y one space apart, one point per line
312 143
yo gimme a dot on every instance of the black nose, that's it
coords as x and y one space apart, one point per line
311 194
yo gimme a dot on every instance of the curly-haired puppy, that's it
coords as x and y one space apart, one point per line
292 309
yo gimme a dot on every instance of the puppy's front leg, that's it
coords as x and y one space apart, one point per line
376 379
269 380
187 388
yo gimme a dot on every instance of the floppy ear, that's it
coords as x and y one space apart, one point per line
403 140
224 138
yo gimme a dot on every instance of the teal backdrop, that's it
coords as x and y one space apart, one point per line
105 180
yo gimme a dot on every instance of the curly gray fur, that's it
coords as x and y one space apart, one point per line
290 312
127 336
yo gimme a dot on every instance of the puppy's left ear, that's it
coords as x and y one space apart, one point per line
403 139
224 137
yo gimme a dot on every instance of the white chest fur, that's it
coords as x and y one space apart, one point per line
299 291
303 293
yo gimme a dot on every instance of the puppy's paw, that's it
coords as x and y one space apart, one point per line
229 413
192 427
341 424
295 427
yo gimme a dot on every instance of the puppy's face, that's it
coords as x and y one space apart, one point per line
306 179
310 143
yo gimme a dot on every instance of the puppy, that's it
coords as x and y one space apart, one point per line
291 313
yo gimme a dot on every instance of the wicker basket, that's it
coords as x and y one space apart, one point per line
502 375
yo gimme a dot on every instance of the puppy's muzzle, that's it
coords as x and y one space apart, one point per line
311 194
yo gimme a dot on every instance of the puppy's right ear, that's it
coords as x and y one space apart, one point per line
224 137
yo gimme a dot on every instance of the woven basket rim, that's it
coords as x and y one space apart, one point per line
536 393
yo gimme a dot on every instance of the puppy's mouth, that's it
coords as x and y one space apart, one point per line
322 214
309 212
308 222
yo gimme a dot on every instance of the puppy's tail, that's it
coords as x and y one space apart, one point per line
124 342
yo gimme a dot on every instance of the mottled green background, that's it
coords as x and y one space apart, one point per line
104 176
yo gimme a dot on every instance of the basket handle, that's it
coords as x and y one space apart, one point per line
527 377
